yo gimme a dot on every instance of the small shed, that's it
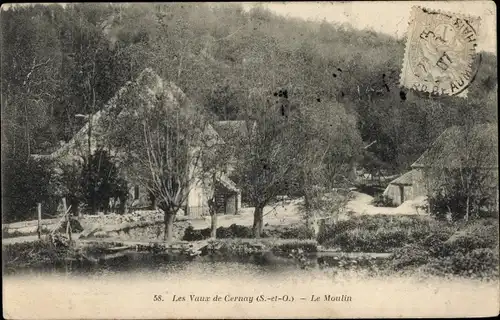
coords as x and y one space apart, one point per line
227 196
406 187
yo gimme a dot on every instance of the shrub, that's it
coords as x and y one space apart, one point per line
301 245
292 232
380 233
233 231
451 196
481 262
435 241
193 235
381 200
29 182
465 242
28 254
409 256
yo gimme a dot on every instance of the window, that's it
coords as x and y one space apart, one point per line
136 192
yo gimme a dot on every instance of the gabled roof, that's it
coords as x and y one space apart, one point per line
149 83
405 179
460 146
228 183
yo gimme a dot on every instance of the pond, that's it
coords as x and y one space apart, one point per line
164 286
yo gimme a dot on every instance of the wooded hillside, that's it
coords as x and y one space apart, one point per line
58 62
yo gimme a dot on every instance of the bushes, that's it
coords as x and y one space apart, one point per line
388 233
380 233
469 249
451 196
28 254
465 242
27 183
381 200
194 235
233 231
299 245
237 231
362 240
482 263
412 255
291 232
47 181
434 242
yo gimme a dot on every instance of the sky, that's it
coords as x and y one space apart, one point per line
390 17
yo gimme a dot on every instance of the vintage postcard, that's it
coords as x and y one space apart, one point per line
251 160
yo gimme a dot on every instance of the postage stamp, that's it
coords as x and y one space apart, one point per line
440 54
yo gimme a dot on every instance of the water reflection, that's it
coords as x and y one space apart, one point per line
168 263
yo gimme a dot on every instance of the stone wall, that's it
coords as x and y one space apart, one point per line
141 225
149 232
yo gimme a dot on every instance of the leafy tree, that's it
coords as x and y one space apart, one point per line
26 183
105 182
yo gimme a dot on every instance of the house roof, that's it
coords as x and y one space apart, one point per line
405 179
228 183
150 84
460 146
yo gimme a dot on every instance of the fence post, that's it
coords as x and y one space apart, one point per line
39 231
68 227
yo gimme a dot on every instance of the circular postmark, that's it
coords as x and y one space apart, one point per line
441 53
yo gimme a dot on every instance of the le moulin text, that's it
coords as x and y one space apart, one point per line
260 298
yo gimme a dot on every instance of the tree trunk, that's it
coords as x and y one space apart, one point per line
311 222
169 227
213 216
467 209
307 202
122 207
213 225
153 201
257 221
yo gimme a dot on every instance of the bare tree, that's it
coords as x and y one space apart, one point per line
161 136
215 167
266 155
329 144
462 170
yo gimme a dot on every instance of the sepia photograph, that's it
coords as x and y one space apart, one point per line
249 160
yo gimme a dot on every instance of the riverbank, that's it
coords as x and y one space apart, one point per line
407 243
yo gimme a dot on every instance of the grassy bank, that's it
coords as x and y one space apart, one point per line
412 245
235 231
421 244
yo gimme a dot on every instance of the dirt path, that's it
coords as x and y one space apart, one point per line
29 239
282 214
361 205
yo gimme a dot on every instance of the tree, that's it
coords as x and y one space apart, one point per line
217 155
329 145
105 182
462 172
29 182
160 136
266 156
